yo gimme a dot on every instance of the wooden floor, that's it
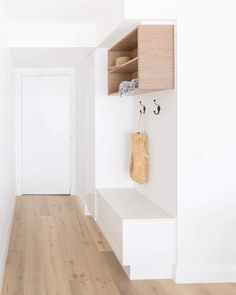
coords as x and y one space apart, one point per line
55 250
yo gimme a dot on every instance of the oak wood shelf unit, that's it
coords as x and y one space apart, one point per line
151 49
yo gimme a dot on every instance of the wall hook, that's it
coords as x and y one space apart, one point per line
156 112
144 108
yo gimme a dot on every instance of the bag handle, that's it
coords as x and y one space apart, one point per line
141 124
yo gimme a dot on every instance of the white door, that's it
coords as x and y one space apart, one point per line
46 135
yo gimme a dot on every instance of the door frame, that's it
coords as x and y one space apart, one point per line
37 72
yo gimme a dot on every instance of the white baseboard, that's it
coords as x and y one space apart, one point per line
83 205
3 257
212 273
151 271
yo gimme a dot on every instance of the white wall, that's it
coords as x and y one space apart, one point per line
80 115
111 17
113 124
85 137
90 125
7 147
49 57
152 9
161 129
85 127
38 35
206 142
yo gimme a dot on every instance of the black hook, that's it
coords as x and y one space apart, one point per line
158 108
144 108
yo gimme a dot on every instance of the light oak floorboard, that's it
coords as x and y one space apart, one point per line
55 250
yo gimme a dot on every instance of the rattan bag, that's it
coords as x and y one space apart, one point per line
139 158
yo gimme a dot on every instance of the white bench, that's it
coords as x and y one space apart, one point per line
140 233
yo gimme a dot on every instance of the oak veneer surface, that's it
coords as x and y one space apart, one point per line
156 56
55 250
129 67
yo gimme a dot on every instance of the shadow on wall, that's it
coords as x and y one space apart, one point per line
161 129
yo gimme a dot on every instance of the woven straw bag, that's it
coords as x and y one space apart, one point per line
139 158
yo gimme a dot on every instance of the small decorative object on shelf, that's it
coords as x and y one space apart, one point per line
126 87
119 62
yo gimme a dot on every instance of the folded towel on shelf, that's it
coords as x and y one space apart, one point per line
127 86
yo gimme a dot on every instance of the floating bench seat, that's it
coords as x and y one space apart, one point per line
141 234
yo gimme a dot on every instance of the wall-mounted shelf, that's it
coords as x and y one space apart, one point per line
151 49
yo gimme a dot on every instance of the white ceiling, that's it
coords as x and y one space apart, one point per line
49 57
56 11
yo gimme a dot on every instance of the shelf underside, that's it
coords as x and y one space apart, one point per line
135 92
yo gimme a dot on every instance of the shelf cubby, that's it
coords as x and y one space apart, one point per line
151 52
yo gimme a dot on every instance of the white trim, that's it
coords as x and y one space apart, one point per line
150 271
83 206
73 132
3 257
19 74
18 133
206 273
